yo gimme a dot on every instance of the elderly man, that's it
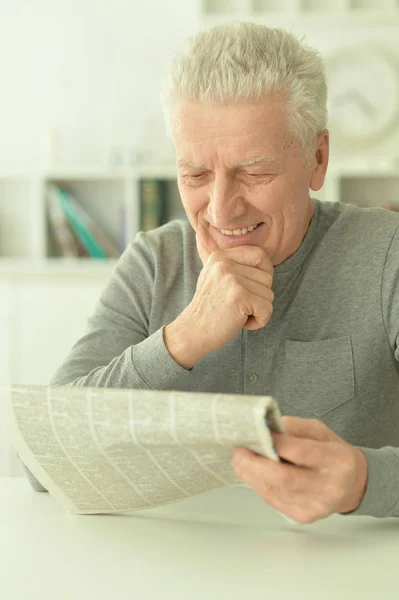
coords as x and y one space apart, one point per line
265 290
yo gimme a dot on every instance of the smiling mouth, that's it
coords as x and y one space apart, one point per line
238 232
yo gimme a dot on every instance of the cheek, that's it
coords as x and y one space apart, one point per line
271 198
193 202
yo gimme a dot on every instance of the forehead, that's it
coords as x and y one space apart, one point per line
259 125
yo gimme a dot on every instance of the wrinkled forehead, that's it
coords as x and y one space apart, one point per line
249 129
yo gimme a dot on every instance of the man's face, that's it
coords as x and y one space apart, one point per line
271 192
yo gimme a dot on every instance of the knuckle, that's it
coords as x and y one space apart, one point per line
239 470
221 267
312 512
214 258
306 517
259 255
335 495
239 467
348 465
235 290
268 310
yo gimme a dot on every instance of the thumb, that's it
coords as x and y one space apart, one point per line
205 243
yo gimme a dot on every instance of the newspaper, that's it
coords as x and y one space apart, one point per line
107 450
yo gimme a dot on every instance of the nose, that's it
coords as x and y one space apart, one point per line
224 202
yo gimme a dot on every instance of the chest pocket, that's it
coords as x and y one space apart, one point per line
318 376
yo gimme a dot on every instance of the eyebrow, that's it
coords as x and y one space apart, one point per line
241 163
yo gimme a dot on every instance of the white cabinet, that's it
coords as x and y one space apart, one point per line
52 315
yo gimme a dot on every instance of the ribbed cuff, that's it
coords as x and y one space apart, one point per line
154 364
382 493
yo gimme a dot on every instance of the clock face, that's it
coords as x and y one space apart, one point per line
363 95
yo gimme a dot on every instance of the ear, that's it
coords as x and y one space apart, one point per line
320 161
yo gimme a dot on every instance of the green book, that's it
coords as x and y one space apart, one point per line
152 209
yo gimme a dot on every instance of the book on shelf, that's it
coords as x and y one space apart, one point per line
89 238
63 236
153 204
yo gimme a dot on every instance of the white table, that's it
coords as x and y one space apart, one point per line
227 545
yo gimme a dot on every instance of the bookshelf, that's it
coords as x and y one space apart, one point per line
110 195
26 242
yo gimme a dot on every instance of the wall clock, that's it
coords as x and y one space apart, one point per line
363 95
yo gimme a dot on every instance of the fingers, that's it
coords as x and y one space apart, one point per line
255 288
303 452
298 493
255 469
205 243
258 309
308 428
265 278
252 256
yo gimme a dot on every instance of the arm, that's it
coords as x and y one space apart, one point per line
117 350
382 493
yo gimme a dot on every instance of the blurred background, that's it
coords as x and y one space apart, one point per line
85 162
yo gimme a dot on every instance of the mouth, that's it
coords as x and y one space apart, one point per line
237 237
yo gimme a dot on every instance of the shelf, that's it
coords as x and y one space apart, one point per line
66 267
101 172
370 192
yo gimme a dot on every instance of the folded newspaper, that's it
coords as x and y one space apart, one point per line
107 450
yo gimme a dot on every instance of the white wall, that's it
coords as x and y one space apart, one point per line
92 69
79 65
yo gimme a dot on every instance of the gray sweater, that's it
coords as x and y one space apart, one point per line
329 351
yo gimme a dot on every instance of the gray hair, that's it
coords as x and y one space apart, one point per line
248 61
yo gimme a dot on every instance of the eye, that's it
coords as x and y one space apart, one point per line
260 177
191 176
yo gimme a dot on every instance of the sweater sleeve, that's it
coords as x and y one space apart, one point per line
116 349
382 493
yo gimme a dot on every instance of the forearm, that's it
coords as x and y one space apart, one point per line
145 365
382 493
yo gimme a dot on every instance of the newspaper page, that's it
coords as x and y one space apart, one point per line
107 450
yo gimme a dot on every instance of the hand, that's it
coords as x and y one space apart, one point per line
233 291
327 475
